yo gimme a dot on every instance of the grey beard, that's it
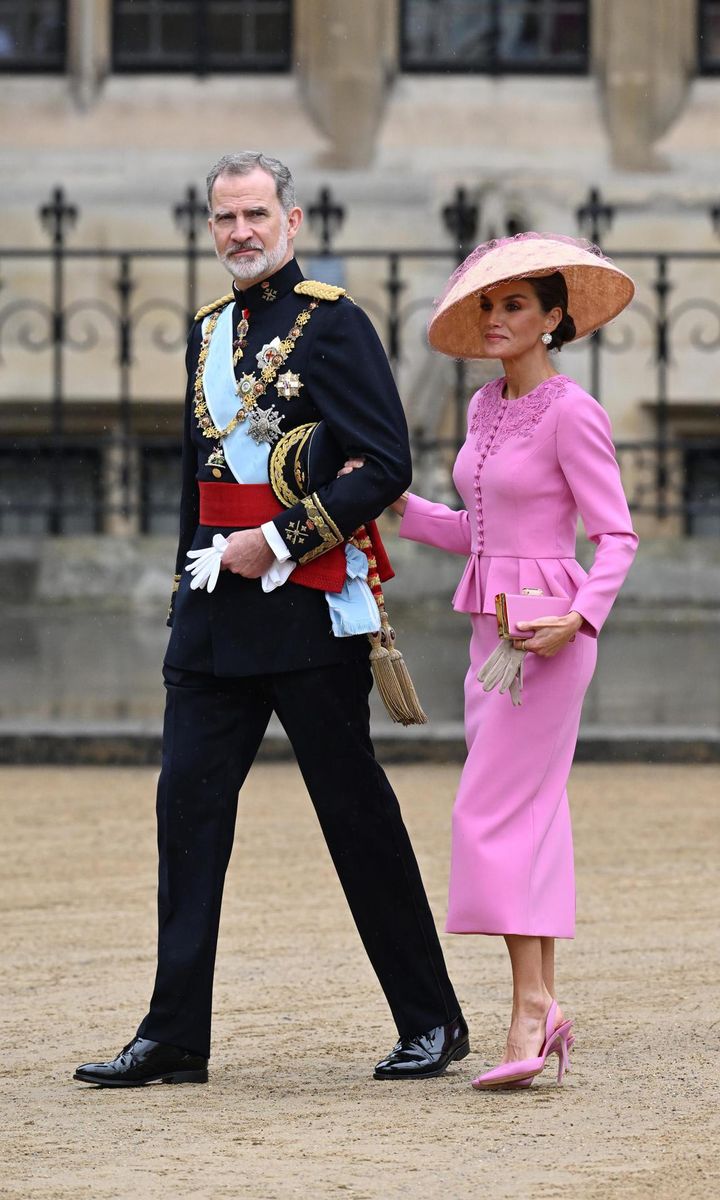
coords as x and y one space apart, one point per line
263 264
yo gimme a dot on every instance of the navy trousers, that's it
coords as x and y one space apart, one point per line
213 729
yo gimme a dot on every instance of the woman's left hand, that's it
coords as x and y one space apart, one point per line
350 465
550 634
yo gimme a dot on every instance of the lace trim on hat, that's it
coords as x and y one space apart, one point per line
496 243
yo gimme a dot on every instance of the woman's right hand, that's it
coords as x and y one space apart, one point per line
350 465
354 464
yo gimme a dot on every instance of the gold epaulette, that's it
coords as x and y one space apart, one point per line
319 290
205 312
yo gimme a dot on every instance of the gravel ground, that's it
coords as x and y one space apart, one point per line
291 1109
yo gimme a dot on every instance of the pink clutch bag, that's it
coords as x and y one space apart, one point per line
527 607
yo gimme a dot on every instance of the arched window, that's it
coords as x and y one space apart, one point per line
201 36
495 36
32 35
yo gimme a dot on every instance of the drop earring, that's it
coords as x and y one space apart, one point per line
546 339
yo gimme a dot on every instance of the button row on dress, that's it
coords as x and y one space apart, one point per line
482 455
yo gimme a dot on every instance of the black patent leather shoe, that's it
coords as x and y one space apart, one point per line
143 1061
426 1054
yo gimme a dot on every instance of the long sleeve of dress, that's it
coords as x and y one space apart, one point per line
436 525
587 458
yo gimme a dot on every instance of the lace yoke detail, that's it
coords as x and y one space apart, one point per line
524 415
494 421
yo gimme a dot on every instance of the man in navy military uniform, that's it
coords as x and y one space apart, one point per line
252 634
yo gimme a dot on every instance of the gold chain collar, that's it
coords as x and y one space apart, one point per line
267 375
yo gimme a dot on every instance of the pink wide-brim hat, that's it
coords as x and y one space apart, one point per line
597 289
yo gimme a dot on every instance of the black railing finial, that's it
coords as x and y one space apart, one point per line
328 215
461 219
191 214
57 215
595 217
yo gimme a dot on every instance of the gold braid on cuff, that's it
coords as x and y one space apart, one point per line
324 526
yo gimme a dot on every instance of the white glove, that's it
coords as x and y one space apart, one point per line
206 567
504 667
277 574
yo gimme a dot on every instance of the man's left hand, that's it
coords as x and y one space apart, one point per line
247 554
550 634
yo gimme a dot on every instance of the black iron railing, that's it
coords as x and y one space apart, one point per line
74 457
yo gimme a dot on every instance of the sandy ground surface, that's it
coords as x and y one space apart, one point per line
291 1109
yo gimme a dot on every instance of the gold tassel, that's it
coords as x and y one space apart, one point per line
389 669
385 678
411 709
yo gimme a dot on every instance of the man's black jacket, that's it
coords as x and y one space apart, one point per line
238 629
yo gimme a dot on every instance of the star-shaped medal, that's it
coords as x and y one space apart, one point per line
288 385
270 354
264 425
245 385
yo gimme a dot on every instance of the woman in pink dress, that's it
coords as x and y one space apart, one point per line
538 452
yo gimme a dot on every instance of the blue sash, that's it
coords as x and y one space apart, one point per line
246 458
353 610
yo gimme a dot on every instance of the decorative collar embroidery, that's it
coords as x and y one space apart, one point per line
268 291
504 419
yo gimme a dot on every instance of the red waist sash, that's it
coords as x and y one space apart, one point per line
242 505
248 505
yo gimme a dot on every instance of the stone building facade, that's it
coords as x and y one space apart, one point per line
393 105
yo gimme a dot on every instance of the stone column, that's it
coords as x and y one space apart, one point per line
89 47
346 55
644 54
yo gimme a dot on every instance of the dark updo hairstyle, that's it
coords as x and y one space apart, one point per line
551 291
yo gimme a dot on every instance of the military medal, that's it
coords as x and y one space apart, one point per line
241 336
249 387
245 388
264 425
288 385
270 355
216 461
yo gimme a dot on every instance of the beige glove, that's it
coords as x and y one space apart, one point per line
504 667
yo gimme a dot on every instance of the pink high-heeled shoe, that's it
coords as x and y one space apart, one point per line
527 1082
524 1071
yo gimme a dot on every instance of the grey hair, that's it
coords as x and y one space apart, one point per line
249 160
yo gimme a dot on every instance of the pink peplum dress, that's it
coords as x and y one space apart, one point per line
527 468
